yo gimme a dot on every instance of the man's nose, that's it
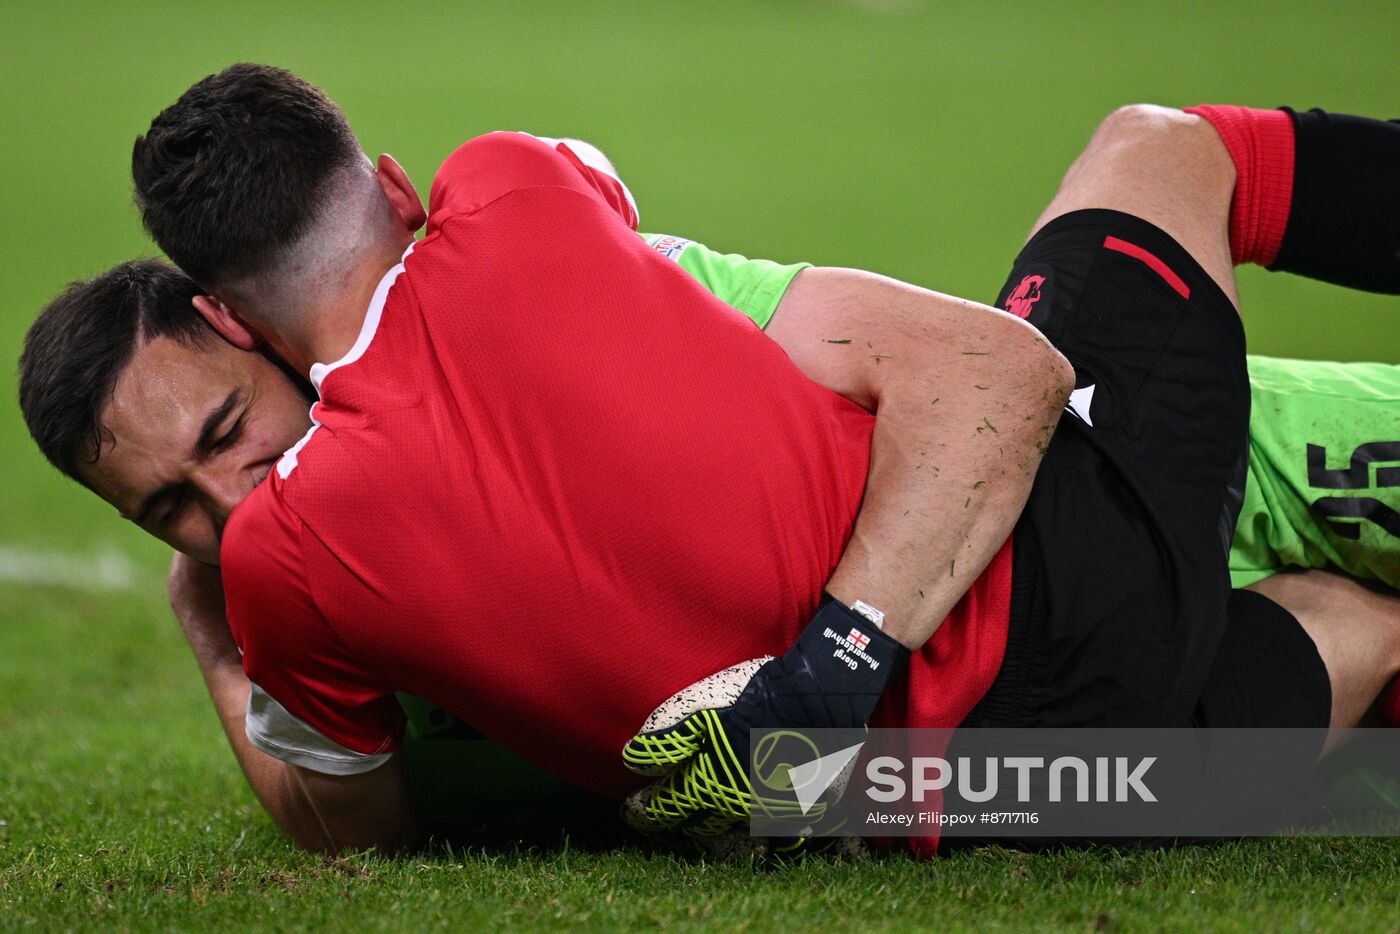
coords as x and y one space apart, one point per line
222 489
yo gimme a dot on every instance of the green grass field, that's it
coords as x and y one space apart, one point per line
914 138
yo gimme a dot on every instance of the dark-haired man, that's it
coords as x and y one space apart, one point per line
329 619
119 359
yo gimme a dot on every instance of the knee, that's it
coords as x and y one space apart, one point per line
1128 143
1142 124
1156 159
1145 135
1169 168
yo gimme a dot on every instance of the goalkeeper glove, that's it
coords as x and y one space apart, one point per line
831 678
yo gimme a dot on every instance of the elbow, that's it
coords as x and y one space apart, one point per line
1047 375
394 841
313 842
335 814
1055 379
1059 374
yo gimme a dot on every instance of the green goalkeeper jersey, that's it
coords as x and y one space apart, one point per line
1324 471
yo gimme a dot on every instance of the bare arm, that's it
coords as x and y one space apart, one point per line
965 398
319 812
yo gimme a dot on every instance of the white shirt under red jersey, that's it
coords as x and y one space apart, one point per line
553 482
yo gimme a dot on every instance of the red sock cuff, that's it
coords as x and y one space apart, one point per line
1261 144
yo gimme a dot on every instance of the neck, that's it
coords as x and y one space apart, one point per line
327 327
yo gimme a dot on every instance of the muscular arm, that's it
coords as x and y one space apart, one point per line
319 812
965 399
917 530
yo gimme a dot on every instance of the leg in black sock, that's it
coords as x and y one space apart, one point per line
1344 223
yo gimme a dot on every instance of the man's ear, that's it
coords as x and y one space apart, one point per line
400 192
227 322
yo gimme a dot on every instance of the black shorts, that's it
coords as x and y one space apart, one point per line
1121 594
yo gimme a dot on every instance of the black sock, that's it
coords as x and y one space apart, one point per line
1344 222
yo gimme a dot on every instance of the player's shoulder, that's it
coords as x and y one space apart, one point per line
262 538
505 144
342 455
267 596
487 167
273 560
492 147
486 170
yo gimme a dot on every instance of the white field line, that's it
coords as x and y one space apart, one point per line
104 570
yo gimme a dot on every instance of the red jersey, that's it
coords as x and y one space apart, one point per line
553 482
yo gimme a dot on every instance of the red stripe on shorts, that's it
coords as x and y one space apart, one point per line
1157 266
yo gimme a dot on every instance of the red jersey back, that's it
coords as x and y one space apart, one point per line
554 482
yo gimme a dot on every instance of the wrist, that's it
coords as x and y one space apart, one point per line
854 636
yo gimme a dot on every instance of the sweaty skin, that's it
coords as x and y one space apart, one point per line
188 434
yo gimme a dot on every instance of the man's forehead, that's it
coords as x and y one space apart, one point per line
166 374
153 417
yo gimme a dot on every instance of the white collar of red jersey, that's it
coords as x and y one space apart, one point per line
367 329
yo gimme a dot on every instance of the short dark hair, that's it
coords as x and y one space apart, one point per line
230 175
81 342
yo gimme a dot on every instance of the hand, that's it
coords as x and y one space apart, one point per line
831 678
196 595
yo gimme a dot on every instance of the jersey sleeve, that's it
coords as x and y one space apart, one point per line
753 286
310 704
490 167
